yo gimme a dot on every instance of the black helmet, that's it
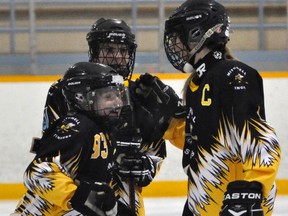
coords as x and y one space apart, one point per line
95 89
202 22
105 32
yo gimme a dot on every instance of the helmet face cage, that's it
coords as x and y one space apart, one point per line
196 23
117 35
119 56
177 53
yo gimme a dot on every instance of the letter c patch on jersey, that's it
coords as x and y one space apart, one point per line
205 100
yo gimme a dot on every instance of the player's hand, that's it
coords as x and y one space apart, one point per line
94 198
156 94
242 198
138 167
161 101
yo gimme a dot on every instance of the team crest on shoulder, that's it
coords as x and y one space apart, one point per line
237 78
67 126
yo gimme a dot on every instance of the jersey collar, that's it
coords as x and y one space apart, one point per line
205 64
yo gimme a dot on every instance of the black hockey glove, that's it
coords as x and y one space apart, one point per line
160 99
139 167
243 198
94 198
158 93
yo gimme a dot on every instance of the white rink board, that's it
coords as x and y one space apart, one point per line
22 105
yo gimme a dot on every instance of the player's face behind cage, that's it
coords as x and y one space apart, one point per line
97 90
117 35
104 102
109 101
115 55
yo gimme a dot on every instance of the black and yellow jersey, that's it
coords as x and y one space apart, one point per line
75 146
56 107
226 135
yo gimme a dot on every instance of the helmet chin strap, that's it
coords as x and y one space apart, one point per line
188 68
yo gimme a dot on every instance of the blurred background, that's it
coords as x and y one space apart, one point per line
46 36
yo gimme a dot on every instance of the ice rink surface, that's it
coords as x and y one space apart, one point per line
161 206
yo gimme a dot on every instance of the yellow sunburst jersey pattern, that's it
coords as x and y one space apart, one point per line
226 136
63 153
56 108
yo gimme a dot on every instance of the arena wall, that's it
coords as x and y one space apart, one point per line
22 101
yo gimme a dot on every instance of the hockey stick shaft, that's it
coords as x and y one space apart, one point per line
132 196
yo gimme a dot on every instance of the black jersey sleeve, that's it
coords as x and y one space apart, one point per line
244 119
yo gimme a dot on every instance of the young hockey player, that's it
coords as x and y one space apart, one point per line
72 169
111 42
231 154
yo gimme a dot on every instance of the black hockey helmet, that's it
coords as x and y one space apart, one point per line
105 32
95 89
197 22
